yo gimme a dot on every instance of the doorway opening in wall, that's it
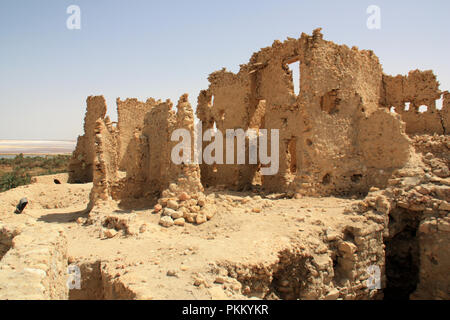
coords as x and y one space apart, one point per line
402 255
295 72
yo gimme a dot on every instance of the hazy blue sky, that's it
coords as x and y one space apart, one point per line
162 49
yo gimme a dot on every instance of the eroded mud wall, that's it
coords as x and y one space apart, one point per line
149 168
228 104
414 98
330 133
81 165
131 115
106 162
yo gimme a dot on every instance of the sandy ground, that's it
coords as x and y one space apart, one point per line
183 262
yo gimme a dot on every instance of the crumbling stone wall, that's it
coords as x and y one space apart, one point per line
149 169
335 268
335 117
82 162
336 136
106 161
406 94
233 100
415 208
131 114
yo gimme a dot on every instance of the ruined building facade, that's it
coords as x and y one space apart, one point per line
338 136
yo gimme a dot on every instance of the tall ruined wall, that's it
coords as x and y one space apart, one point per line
106 162
406 94
149 169
157 170
131 114
231 109
334 117
81 164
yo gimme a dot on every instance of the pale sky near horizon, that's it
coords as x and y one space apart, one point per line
162 49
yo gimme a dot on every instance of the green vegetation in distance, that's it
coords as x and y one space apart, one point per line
19 170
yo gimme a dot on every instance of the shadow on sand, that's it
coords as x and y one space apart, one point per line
66 217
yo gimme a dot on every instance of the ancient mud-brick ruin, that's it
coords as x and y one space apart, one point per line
338 136
351 131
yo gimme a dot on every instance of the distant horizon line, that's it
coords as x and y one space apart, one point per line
44 140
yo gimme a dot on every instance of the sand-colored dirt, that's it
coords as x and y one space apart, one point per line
184 262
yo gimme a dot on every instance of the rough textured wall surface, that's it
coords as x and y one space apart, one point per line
35 267
131 114
226 104
106 162
81 165
149 168
334 117
336 136
414 98
415 207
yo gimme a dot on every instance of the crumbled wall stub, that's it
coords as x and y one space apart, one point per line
415 207
338 267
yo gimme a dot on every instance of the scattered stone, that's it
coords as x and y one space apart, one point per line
184 196
347 247
201 202
246 200
209 213
332 295
110 233
172 204
220 280
157 208
168 212
173 187
179 222
177 215
166 221
200 218
172 273
198 281
143 228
